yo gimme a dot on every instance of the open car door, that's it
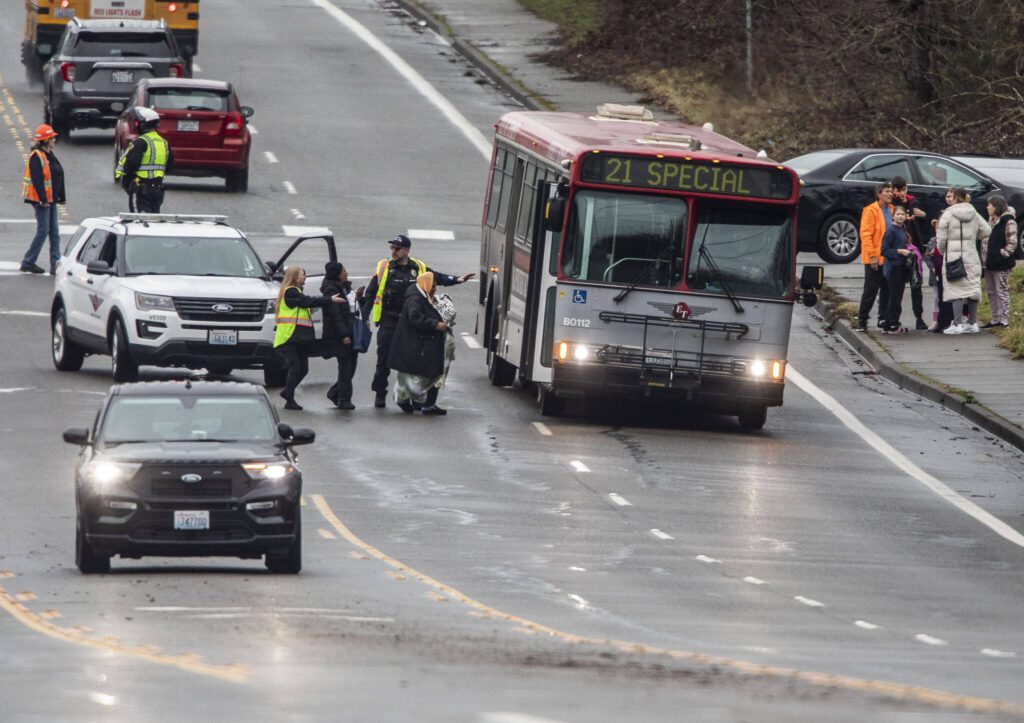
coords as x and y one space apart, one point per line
311 251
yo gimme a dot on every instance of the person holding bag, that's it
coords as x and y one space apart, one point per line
339 321
958 236
997 254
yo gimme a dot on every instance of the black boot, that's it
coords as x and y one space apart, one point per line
381 400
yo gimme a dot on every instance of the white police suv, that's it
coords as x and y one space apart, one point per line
170 291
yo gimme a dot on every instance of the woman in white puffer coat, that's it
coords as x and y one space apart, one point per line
960 231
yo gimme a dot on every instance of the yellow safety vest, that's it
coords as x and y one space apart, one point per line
154 160
382 274
288 318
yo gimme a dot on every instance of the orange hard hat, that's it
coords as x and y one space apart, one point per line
45 132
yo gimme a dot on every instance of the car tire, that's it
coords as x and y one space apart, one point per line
238 181
62 127
839 240
289 563
548 403
67 355
274 376
122 367
754 418
86 559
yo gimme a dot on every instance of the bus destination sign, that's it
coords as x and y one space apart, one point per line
675 174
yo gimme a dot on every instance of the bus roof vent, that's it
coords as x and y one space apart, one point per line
683 140
617 111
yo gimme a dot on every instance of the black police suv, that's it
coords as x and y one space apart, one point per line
836 185
188 469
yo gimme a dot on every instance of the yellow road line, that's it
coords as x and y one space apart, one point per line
896 691
189 662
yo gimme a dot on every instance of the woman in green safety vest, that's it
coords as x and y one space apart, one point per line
293 335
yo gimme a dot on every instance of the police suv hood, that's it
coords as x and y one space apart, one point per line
185 452
203 287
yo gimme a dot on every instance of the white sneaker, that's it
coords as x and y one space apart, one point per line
954 329
970 329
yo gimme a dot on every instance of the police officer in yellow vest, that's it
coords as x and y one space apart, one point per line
385 295
43 187
142 167
293 336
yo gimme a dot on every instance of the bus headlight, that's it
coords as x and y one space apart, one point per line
774 369
580 352
569 351
758 369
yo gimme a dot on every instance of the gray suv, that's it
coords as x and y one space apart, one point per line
91 76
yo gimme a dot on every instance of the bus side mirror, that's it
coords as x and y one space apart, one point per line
812 277
554 214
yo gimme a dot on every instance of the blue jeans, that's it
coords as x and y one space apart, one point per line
47 224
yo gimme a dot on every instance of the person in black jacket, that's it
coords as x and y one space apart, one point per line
337 340
295 344
418 348
43 187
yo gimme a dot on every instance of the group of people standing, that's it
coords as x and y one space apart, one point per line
958 249
414 330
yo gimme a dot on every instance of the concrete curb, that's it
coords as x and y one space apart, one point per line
905 378
488 67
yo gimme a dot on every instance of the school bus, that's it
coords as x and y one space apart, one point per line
45 21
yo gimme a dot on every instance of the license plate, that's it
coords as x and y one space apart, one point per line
188 125
223 338
65 12
122 76
659 359
191 519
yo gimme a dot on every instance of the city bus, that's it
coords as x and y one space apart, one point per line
623 257
45 21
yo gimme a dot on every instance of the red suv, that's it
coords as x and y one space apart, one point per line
203 123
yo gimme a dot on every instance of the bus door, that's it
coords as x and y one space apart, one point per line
513 287
540 307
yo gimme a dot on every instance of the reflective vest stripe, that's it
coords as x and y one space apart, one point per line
28 189
382 275
297 320
288 318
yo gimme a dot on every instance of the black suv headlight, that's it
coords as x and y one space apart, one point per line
101 475
268 471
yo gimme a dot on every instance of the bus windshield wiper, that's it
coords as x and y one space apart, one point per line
716 273
639 277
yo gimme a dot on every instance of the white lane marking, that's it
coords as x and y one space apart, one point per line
579 466
196 68
290 187
415 79
993 653
17 220
299 230
866 625
580 602
326 534
929 640
17 312
754 580
900 460
11 390
298 215
661 535
271 158
542 429
709 560
809 602
758 649
512 717
427 235
470 340
575 568
238 616
102 698
620 500
252 129
10 265
500 716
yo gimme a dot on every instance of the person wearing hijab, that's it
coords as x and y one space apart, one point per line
423 347
337 341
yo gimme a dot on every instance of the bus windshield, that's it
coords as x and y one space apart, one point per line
625 238
745 249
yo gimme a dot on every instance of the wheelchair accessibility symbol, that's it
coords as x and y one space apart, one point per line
579 296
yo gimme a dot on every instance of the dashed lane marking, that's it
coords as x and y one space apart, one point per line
252 129
661 535
993 653
189 663
754 580
18 312
428 235
542 429
893 691
298 215
299 230
103 698
929 640
271 158
903 462
326 534
809 602
864 624
196 68
619 500
470 340
512 717
290 188
709 560
579 466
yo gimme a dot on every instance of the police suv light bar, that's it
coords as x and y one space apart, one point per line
172 218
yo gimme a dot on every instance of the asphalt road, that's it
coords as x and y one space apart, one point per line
493 565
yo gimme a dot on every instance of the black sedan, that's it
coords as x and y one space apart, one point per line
187 469
838 184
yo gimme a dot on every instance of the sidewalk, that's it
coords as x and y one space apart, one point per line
969 374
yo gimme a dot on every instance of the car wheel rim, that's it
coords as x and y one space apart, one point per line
58 339
114 348
842 238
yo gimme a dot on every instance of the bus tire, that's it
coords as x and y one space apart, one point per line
548 403
499 371
753 419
